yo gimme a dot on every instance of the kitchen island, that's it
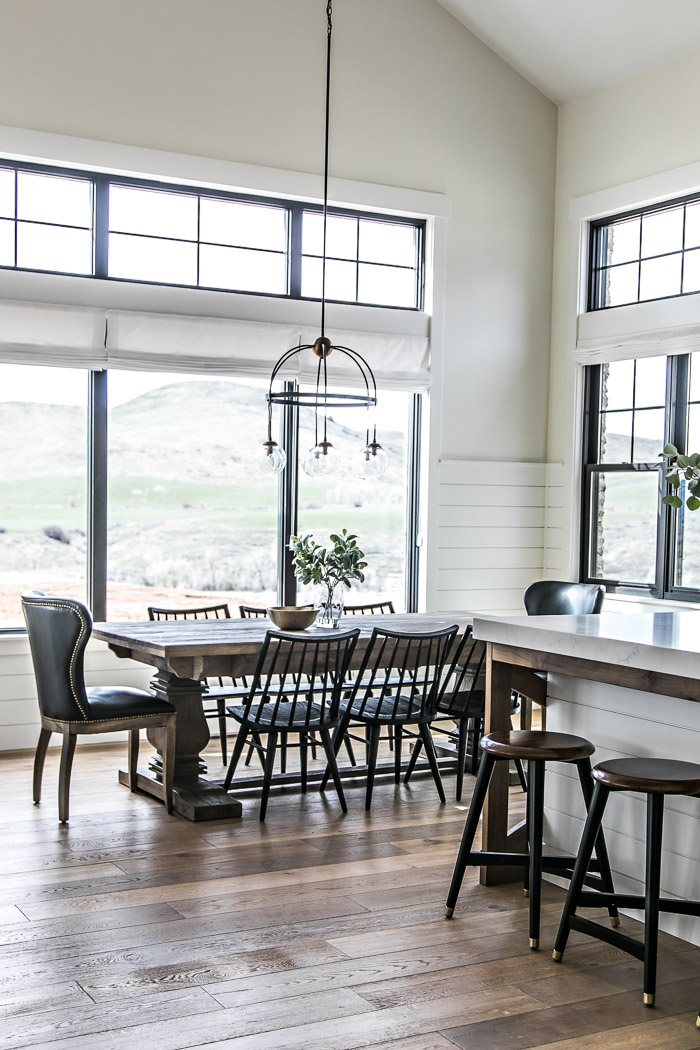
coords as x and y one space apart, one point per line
630 683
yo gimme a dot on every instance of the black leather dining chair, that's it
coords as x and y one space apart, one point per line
59 630
561 598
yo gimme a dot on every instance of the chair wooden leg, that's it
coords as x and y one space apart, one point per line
303 763
39 758
461 757
424 730
221 716
398 736
169 763
333 767
373 732
418 744
283 755
67 752
269 765
339 734
133 759
347 743
241 738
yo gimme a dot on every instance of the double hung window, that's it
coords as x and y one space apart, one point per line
635 404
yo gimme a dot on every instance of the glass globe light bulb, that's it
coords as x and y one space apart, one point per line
321 460
372 460
270 459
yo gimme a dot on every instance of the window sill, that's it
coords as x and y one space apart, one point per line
628 602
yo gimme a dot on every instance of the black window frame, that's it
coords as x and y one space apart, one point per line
597 247
294 209
675 428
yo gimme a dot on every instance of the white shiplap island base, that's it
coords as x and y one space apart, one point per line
630 683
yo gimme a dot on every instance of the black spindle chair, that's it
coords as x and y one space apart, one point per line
398 684
215 688
295 690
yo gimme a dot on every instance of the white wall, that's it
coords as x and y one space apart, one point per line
418 103
632 131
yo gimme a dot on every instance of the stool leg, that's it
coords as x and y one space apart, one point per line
590 834
655 818
601 849
469 833
535 825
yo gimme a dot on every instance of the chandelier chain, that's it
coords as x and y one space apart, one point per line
329 16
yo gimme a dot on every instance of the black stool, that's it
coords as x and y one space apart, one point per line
654 777
535 748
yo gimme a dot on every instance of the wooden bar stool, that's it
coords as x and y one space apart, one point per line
654 777
535 748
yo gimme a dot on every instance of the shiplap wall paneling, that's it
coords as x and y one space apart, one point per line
491 533
623 723
556 557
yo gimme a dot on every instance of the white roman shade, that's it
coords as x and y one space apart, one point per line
399 362
171 343
46 334
87 337
664 326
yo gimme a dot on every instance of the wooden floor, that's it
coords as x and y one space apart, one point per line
129 929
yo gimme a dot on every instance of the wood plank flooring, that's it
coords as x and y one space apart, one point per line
129 929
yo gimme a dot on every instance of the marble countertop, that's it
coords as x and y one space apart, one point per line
655 641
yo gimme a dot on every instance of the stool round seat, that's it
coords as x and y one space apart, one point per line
538 746
652 776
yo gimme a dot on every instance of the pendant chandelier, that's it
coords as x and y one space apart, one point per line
323 458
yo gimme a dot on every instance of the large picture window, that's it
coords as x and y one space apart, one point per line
631 541
129 489
43 478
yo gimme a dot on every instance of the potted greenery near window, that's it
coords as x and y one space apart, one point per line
682 468
330 569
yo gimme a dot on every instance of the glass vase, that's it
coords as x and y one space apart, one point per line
330 602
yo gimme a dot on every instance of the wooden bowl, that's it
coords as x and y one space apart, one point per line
292 617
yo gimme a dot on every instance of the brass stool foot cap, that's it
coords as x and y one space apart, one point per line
697 1021
649 999
449 912
534 942
526 893
557 956
614 920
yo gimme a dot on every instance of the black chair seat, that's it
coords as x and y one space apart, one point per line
287 715
463 705
105 702
387 709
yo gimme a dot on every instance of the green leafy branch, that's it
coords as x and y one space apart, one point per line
343 562
682 468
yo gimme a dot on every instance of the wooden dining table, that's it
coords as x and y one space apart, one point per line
187 652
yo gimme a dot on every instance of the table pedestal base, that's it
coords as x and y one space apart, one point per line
200 800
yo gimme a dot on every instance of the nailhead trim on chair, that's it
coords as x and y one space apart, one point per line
83 628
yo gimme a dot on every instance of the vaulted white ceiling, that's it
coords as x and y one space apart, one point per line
568 48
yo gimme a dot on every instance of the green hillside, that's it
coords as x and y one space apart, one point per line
187 507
